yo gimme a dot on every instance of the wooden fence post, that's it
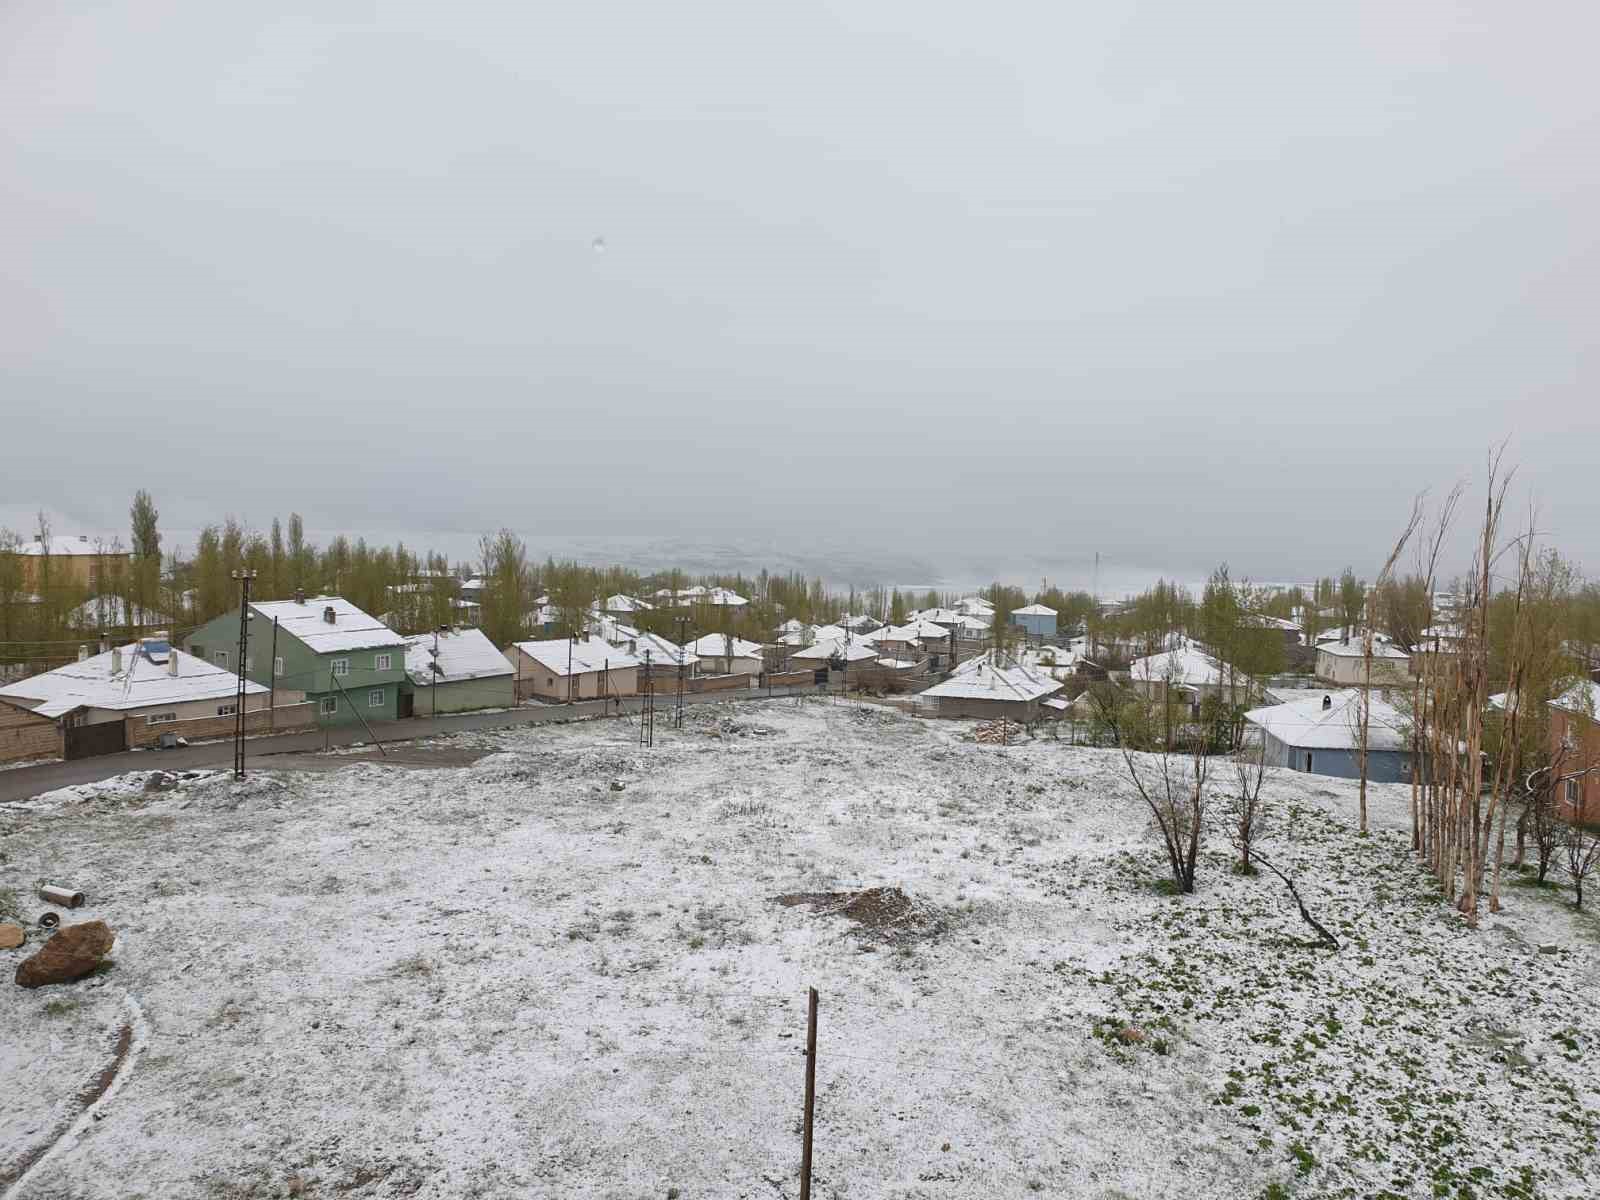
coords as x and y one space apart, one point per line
811 1092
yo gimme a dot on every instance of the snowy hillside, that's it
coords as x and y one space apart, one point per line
575 967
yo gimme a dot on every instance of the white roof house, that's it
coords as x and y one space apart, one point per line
715 645
143 674
1356 648
975 606
792 625
462 654
830 648
622 604
327 623
1188 666
994 677
62 545
663 652
1034 610
1332 721
584 656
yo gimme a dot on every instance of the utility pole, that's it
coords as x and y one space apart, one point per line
244 576
647 714
811 1093
683 668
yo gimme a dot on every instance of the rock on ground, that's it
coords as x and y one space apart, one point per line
71 953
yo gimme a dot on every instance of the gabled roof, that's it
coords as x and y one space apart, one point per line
1306 725
144 681
663 653
994 677
1188 666
625 604
462 654
586 655
350 629
829 648
715 645
1034 610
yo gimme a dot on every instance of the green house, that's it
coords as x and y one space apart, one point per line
349 664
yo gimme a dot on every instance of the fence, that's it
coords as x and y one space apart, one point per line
285 718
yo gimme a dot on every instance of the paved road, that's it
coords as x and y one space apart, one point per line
20 783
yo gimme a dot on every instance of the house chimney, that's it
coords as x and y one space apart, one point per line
327 614
116 660
172 661
299 595
83 653
1327 702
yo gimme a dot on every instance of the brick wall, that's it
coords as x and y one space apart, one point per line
286 718
25 735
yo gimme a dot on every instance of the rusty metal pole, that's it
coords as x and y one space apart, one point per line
811 1092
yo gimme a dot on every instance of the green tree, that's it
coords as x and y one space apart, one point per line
507 590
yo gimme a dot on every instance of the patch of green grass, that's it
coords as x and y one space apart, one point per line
9 909
60 1008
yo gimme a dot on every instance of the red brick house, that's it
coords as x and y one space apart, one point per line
1575 749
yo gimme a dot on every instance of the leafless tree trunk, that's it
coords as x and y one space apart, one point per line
1177 798
1384 577
1305 914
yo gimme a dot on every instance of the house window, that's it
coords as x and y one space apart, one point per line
341 666
160 718
329 705
375 698
1574 793
380 662
277 665
227 710
1308 761
220 657
249 662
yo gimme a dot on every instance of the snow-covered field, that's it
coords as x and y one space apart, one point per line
563 971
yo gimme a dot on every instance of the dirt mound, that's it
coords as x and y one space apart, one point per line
883 912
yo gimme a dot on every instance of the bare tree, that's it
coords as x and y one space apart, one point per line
1305 913
1385 578
1581 844
1244 812
1176 796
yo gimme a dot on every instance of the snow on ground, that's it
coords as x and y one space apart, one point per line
512 978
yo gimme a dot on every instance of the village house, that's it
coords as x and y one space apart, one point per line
724 654
350 664
1574 749
562 669
1191 675
1344 663
1036 620
130 695
70 562
454 670
990 686
1321 734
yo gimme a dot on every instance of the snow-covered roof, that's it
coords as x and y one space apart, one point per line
626 604
144 681
663 652
350 629
829 648
943 616
792 625
994 677
61 545
715 645
114 610
1582 698
1188 666
462 654
975 605
1307 725
586 655
824 633
1355 648
1034 610
725 597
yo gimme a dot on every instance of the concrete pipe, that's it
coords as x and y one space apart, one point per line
49 921
65 897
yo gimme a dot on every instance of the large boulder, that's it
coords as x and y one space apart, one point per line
73 952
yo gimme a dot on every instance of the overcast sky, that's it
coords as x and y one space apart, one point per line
976 283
